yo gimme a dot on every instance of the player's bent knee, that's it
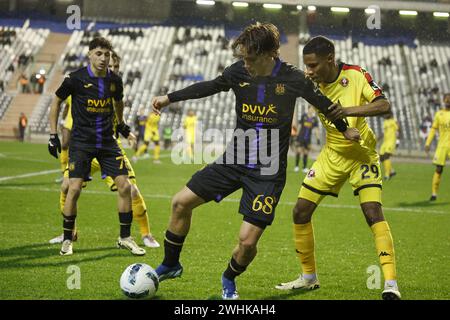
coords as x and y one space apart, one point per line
439 169
303 211
247 246
372 212
134 191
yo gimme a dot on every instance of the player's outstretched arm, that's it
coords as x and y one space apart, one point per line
375 108
195 91
159 102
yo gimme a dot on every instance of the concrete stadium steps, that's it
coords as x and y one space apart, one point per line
21 103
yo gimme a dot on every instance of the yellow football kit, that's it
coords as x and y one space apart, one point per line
151 128
189 125
341 159
442 124
390 128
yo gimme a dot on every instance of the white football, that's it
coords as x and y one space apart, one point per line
139 280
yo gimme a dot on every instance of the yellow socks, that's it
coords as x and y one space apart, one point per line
435 183
140 215
304 247
385 249
156 152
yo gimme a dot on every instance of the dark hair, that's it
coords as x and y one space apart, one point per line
100 42
319 45
115 56
258 38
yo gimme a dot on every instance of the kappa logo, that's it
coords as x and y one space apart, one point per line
112 87
383 254
88 85
71 166
244 84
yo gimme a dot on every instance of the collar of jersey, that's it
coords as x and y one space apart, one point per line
92 75
275 70
340 66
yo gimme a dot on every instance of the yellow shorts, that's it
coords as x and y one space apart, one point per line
190 137
151 135
441 155
387 148
95 167
330 171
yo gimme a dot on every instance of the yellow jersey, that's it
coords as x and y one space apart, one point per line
442 123
190 123
390 128
354 86
152 122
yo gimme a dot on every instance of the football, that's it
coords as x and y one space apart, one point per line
139 280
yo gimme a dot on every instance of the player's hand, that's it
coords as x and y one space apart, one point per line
427 149
160 102
54 145
123 129
352 134
132 140
335 112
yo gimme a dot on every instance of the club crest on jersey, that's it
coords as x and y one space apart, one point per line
311 174
280 89
112 87
344 82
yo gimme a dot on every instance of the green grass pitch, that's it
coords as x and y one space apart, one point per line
31 268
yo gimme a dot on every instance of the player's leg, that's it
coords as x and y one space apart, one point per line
326 177
141 217
156 151
214 182
305 156
113 164
124 205
79 166
384 245
304 246
243 254
179 224
385 159
62 200
141 150
366 180
258 204
70 214
436 182
298 152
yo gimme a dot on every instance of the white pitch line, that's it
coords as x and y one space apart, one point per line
27 175
165 196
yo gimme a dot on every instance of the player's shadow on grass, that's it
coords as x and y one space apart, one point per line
24 254
424 203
